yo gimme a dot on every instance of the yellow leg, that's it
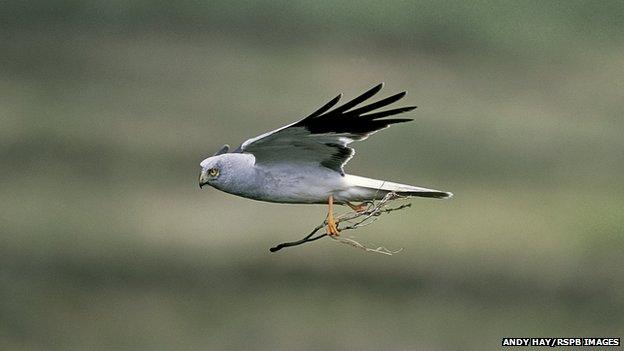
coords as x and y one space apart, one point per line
358 208
332 228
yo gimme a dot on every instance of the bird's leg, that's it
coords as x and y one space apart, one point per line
332 228
358 208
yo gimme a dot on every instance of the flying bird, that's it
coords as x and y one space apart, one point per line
303 162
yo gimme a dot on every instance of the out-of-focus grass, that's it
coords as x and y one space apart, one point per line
107 243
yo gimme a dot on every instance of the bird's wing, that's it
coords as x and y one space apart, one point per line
323 137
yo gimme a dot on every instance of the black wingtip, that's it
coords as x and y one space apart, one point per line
387 113
325 107
349 118
369 93
377 105
377 87
358 100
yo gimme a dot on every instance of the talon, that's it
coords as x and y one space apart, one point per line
332 228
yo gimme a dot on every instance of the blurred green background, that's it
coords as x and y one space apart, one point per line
107 108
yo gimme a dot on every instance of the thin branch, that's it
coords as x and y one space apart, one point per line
306 239
381 249
356 220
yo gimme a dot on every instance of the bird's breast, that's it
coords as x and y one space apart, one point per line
292 184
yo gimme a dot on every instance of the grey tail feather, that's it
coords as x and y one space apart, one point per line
382 187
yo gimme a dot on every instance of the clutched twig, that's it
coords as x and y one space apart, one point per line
354 220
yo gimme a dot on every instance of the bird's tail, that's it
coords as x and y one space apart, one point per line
364 189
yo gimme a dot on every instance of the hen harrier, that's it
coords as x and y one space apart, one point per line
303 161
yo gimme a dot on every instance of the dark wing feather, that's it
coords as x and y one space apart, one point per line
323 136
344 120
360 99
381 114
379 104
325 107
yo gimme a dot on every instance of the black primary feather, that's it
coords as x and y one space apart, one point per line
358 100
325 107
345 119
331 152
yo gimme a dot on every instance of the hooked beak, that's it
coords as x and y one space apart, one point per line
203 178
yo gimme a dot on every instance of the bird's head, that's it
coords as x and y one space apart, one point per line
211 168
227 171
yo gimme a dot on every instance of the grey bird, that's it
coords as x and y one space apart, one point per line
303 162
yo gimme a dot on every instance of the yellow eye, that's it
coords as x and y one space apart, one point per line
213 172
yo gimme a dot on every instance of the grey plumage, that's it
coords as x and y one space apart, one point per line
303 162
